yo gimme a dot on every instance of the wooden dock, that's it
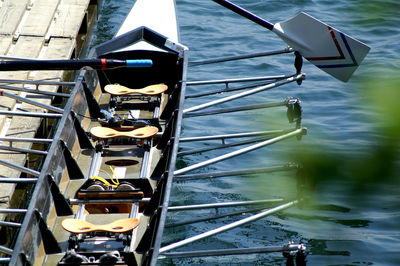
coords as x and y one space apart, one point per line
54 29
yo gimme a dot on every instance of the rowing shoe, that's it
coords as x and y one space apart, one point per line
139 133
117 90
77 226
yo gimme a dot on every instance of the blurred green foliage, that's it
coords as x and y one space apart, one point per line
380 161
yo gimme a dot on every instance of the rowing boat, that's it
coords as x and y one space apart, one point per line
100 196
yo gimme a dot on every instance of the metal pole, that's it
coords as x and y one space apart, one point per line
233 58
17 180
6 250
31 114
240 151
49 93
13 210
229 89
5 260
215 217
144 165
223 146
233 251
245 93
10 224
235 109
34 140
224 81
235 173
235 135
9 148
94 166
20 168
37 82
221 205
227 227
36 103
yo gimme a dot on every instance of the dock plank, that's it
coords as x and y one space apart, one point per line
28 46
69 18
11 13
5 44
40 18
61 48
82 3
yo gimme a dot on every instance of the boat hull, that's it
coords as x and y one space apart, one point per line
73 158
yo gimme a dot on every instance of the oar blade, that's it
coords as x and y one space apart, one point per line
324 46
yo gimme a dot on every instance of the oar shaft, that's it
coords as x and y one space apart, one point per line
227 227
245 13
73 64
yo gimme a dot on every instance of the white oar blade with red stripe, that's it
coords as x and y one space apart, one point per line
327 48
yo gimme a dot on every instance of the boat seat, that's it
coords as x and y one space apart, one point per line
139 133
77 226
118 90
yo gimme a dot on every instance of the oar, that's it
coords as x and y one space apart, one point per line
327 48
139 133
81 226
115 89
72 64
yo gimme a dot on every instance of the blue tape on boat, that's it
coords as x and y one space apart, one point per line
139 63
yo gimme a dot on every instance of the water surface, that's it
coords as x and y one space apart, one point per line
357 220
